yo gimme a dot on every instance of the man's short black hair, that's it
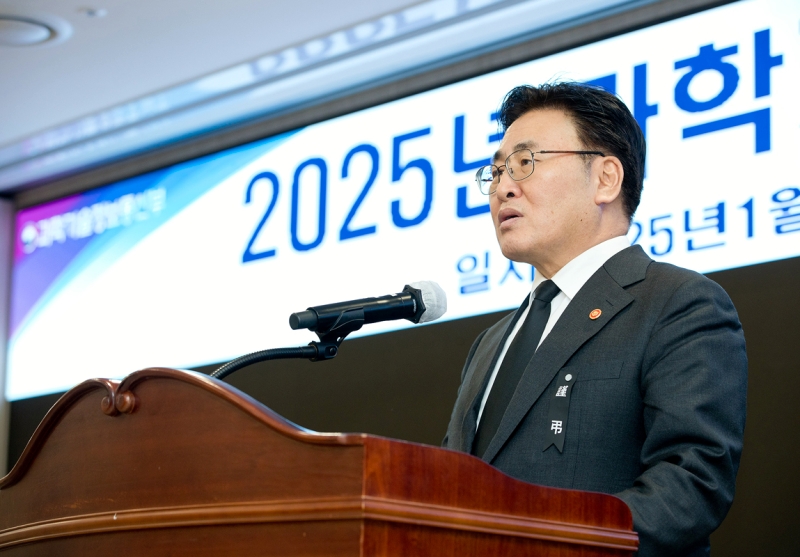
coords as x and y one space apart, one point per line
602 122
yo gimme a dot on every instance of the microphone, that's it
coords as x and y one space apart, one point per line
419 302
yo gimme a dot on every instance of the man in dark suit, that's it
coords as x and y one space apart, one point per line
620 374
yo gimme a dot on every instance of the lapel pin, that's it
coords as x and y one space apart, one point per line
595 313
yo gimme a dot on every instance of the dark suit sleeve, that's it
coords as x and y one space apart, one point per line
464 372
693 385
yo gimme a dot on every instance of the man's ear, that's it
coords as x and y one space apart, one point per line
609 180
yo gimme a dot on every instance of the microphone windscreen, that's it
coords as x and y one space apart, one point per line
433 297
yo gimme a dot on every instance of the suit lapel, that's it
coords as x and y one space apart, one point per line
603 291
475 382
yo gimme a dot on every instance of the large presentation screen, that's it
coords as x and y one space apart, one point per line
205 260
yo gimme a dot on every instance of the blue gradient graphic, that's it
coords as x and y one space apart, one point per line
40 276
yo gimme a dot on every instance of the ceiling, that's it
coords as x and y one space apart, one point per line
138 47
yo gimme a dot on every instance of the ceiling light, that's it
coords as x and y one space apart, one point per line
22 32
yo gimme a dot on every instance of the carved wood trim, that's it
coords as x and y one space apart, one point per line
353 508
500 524
121 398
53 416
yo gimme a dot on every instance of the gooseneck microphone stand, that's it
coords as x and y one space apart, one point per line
325 348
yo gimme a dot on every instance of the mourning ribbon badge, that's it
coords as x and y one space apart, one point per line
558 411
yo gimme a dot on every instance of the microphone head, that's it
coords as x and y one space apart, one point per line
433 297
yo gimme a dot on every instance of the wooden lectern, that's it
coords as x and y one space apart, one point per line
175 463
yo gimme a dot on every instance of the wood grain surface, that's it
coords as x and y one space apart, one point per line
169 462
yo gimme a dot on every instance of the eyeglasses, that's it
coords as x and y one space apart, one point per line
519 165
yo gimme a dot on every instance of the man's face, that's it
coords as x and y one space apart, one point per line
548 218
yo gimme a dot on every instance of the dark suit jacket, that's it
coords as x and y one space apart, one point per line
657 411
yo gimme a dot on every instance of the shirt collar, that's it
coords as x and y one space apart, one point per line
574 274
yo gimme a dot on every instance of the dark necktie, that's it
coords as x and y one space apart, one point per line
517 357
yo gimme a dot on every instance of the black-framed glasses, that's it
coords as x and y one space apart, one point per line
519 165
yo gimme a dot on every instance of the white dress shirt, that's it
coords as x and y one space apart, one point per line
569 280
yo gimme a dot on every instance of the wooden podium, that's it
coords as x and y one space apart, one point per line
175 463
